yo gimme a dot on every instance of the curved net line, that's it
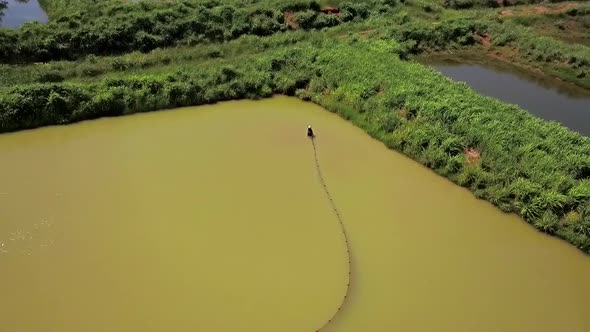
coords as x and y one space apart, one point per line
342 228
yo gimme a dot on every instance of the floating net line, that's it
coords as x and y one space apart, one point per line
342 228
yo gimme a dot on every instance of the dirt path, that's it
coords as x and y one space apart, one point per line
540 10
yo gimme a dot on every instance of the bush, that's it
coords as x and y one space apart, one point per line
460 4
50 77
306 19
113 27
548 223
418 37
324 21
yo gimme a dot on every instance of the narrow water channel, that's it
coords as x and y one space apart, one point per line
18 12
212 218
547 99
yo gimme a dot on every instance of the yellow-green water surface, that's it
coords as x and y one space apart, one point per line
212 218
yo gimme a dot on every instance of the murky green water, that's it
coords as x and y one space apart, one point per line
545 98
212 219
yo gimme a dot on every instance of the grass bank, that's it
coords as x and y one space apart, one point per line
490 59
569 22
537 169
116 27
570 62
490 33
83 30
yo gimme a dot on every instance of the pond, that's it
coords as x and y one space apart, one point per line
18 12
213 218
545 98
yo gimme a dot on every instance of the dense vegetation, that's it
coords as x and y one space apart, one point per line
79 28
569 24
194 52
416 34
537 169
514 42
568 61
111 27
465 4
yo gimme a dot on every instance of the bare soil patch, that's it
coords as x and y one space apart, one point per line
539 10
291 21
473 155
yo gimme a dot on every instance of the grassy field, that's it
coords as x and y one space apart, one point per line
569 21
356 66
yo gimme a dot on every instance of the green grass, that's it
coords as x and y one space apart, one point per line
467 4
567 61
114 27
537 169
571 26
110 27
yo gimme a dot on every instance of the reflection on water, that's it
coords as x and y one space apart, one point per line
547 99
13 13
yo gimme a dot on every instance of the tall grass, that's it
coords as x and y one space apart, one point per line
569 26
466 4
114 26
81 28
568 61
539 170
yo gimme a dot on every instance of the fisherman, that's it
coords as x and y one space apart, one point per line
310 132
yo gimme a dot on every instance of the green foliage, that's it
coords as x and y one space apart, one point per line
114 26
461 4
325 20
465 4
569 61
581 192
306 19
570 26
537 169
417 37
86 27
526 20
572 218
351 10
548 223
50 76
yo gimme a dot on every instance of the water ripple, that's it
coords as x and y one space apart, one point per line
27 242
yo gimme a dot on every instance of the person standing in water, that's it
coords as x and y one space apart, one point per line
310 132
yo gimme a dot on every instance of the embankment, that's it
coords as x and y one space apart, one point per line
539 170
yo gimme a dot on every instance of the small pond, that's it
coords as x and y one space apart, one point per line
547 99
213 218
17 12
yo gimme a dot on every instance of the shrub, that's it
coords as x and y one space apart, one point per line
112 27
50 77
548 223
306 19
